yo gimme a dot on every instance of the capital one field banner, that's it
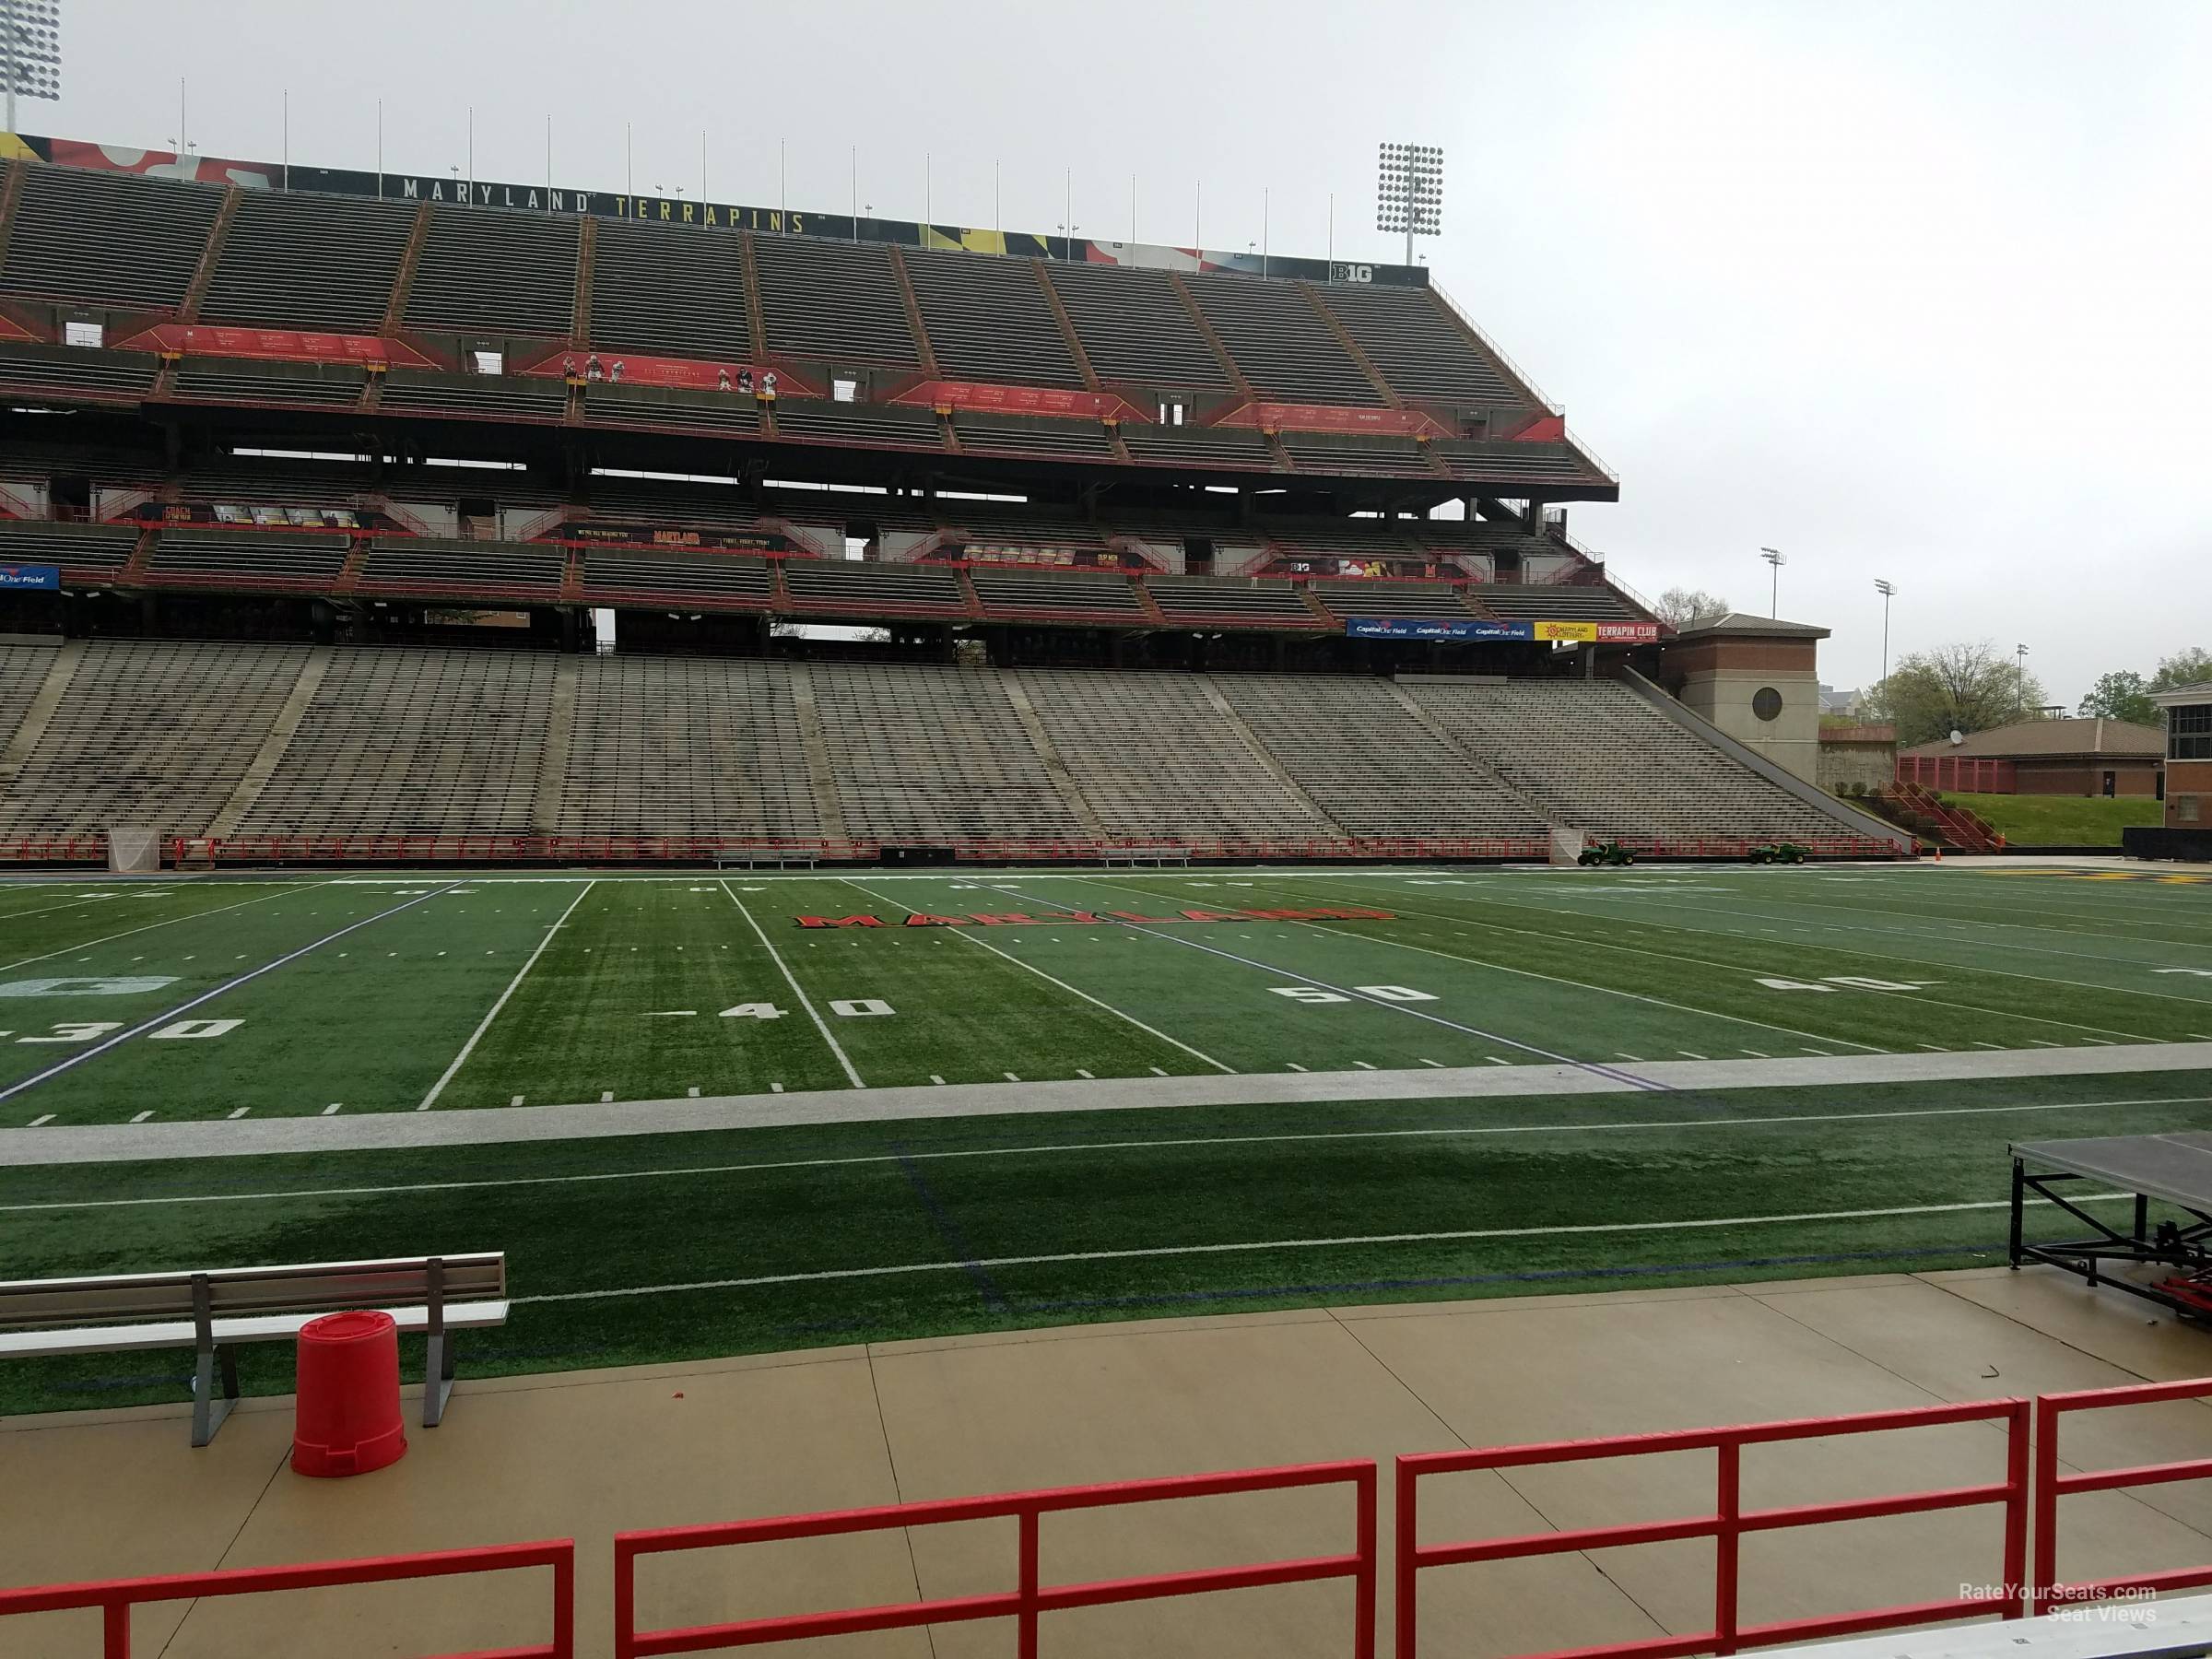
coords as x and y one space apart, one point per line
30 576
551 196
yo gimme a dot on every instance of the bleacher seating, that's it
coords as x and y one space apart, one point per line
309 262
306 558
1251 604
23 669
107 238
434 564
935 756
833 300
273 385
671 289
1370 765
681 747
72 376
1155 759
709 414
1390 598
400 741
152 733
90 551
477 396
1512 462
987 318
1243 449
1279 341
489 271
1334 455
857 588
1133 327
1417 348
819 420
676 579
1054 440
1612 763
1046 593
1555 601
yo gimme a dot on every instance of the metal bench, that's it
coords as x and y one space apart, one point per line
754 859
214 1311
1159 858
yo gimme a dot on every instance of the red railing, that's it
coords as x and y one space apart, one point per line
1030 1598
69 848
1727 1525
116 1597
2051 1486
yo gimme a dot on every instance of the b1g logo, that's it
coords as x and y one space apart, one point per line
1351 273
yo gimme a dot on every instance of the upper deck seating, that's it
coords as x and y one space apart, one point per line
1331 452
433 564
480 396
1039 593
822 420
709 414
1284 348
488 271
1234 449
1417 348
107 238
671 289
93 552
1251 604
302 557
311 262
676 579
1068 439
1557 601
832 301
987 318
1135 327
1388 598
71 374
302 385
859 588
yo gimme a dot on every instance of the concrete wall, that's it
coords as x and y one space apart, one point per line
1791 740
1844 765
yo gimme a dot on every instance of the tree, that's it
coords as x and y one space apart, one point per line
1966 686
1690 608
2121 695
2188 667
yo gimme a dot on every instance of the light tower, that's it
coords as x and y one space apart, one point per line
31 50
1409 191
1888 590
1777 558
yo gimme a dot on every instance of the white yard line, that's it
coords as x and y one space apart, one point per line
1350 1241
484 1025
805 1002
1049 979
166 922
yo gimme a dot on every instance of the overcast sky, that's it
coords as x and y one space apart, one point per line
1918 291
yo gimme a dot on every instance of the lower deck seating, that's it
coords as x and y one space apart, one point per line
405 740
1156 761
932 756
154 734
687 746
1613 764
1370 765
401 741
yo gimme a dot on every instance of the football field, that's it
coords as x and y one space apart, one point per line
789 1110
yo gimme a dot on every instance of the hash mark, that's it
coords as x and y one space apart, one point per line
331 1110
1158 1071
1295 1065
1009 1077
1426 1061
775 1088
605 1095
1756 1054
1618 1055
242 1112
692 1092
1081 1072
1495 1061
516 1102
142 1117
933 1076
1686 1052
44 1117
1364 1065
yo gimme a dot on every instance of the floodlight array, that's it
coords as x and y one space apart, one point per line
1409 188
31 47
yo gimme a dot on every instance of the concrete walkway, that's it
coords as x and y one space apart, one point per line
107 1143
584 1453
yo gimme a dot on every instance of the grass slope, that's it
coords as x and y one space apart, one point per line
2063 820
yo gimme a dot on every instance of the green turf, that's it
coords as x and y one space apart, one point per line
572 989
2026 820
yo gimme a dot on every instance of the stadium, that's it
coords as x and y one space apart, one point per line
878 875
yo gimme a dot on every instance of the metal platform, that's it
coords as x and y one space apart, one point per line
2173 1170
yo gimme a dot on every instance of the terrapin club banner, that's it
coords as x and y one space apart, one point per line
1454 627
553 196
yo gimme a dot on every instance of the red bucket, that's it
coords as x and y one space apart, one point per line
346 1421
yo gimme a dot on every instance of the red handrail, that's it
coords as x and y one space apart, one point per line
2051 1486
1727 1525
1030 1598
116 1597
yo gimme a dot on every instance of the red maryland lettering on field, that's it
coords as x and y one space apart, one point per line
839 922
922 919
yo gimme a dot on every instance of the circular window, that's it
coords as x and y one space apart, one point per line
1765 702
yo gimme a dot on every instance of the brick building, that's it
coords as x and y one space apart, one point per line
2075 756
